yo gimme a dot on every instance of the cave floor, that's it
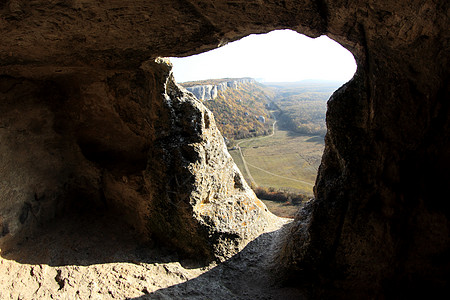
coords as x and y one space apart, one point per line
97 257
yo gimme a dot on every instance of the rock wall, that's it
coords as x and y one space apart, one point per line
210 91
203 92
380 221
132 142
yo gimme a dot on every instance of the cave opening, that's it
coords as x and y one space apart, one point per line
379 225
268 93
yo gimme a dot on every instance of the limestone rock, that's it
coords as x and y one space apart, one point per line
203 92
85 123
209 91
97 256
131 142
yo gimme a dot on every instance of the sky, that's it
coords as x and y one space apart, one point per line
277 56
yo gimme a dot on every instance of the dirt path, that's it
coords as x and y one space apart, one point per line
280 176
252 181
246 164
238 145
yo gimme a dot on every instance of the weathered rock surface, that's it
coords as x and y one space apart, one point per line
80 118
99 257
132 142
203 92
209 91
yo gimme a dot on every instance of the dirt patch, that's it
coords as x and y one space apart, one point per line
97 256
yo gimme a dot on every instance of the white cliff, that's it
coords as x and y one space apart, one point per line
210 91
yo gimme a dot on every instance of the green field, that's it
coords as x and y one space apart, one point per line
302 105
284 161
281 209
287 161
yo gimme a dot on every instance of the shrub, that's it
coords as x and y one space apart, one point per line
279 195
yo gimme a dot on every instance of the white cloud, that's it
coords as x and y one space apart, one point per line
281 55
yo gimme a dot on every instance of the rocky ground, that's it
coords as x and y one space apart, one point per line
97 257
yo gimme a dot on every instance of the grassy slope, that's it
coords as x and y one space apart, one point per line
303 104
285 154
236 110
288 154
291 156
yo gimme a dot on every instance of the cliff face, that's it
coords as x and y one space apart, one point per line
85 122
209 91
204 92
131 142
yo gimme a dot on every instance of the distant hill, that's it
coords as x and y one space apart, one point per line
243 107
302 105
217 81
308 83
239 105
208 89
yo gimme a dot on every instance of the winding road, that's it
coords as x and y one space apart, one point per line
246 164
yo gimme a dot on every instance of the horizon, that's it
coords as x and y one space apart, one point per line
329 81
260 80
258 56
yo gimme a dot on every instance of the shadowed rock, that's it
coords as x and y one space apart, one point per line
86 123
132 142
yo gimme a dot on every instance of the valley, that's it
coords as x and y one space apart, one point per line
279 157
239 105
283 162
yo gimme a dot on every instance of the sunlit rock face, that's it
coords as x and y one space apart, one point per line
132 142
210 91
84 119
204 92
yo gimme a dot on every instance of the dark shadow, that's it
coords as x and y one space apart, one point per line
86 239
282 126
100 238
250 274
316 139
294 134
